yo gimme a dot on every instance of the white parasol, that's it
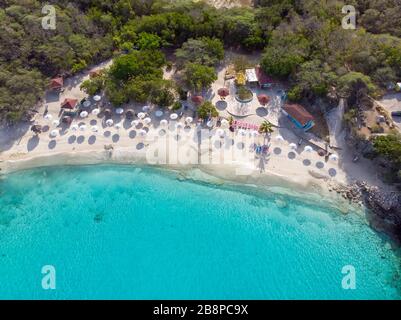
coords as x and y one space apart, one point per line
54 133
84 114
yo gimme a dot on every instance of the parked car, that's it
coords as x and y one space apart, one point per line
396 114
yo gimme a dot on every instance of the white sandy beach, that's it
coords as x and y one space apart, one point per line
231 157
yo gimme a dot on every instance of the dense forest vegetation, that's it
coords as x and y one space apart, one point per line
302 41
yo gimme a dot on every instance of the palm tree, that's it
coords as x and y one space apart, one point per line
266 127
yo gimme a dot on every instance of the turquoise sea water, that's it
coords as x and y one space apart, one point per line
123 232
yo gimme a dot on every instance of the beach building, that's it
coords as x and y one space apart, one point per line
264 80
69 104
299 116
56 83
251 77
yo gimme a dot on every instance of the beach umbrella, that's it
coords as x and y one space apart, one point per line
293 146
74 127
95 129
164 122
221 133
119 111
95 112
135 123
118 126
147 120
54 133
107 113
129 114
83 114
179 125
279 138
189 120
333 157
109 122
67 120
223 92
97 98
56 123
210 123
308 149
142 133
197 100
225 123
263 99
86 104
82 127
173 116
159 113
48 117
36 128
141 115
254 133
145 108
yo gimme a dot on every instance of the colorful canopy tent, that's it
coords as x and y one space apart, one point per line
223 92
263 99
69 103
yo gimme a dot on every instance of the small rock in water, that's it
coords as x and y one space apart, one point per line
98 218
281 204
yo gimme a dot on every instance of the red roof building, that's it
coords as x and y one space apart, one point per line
69 103
56 83
299 115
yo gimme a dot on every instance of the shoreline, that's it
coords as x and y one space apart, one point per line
214 174
310 191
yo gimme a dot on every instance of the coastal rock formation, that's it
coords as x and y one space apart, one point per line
353 192
384 206
385 213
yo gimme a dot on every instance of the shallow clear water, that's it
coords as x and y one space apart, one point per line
124 232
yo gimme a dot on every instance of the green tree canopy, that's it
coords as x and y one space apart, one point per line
205 51
389 147
207 109
198 77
